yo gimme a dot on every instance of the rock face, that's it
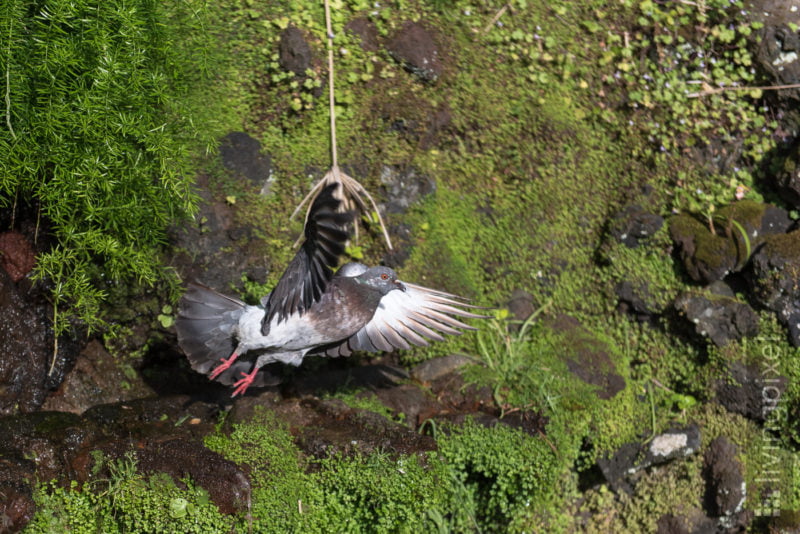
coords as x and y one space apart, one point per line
63 447
415 48
294 54
777 44
28 367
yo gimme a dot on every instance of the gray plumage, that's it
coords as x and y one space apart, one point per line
313 311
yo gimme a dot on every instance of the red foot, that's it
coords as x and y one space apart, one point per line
224 366
244 383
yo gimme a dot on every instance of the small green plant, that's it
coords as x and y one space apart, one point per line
513 360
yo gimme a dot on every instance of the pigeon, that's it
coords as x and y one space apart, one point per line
314 311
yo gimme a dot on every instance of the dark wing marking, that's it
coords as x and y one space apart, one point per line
405 318
309 272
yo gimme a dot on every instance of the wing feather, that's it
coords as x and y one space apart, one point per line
311 269
411 316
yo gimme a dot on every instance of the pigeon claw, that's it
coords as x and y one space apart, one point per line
242 384
224 366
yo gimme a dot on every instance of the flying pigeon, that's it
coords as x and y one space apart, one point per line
313 311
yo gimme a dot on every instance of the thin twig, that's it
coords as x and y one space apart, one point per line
715 90
331 108
352 190
496 18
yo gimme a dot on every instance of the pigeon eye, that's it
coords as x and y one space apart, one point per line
384 276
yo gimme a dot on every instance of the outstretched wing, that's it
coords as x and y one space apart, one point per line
405 318
309 272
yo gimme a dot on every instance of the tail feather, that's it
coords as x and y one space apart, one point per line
205 327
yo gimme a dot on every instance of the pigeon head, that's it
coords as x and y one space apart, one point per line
380 279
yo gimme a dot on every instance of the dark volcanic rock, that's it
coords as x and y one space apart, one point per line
242 154
17 256
294 54
326 427
633 224
620 468
16 496
415 48
751 391
27 369
721 319
724 479
635 299
774 280
164 434
520 305
96 378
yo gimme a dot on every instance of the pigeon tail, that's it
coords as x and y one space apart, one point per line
206 325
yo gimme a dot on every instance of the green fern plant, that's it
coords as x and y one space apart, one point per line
102 118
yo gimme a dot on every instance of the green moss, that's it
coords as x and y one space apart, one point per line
503 471
284 496
128 502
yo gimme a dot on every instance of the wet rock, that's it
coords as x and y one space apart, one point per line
178 415
226 484
51 439
27 368
773 280
721 319
17 474
214 249
436 368
327 427
589 358
410 401
415 48
96 378
725 487
17 256
751 391
620 468
242 155
294 54
709 256
633 224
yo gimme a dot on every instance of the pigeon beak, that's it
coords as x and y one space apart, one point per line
400 285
